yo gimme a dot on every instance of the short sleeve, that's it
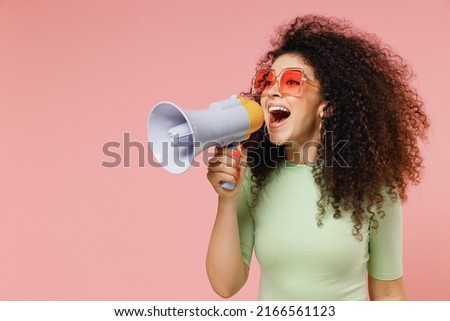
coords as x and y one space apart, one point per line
386 244
245 220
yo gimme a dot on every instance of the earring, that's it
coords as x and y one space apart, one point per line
320 130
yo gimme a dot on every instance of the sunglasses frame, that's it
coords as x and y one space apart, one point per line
304 79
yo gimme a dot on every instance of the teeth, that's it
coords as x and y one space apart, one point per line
280 108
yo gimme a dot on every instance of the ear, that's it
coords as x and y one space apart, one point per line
321 108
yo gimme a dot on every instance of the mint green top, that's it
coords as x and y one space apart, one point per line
301 261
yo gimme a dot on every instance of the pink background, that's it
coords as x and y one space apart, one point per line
75 75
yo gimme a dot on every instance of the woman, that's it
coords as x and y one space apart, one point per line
321 198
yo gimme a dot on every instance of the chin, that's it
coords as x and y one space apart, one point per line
278 139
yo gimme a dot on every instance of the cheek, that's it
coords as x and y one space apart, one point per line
263 104
305 114
307 106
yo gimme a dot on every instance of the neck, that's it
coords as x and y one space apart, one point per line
302 154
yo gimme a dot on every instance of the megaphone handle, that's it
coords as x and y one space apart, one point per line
230 185
227 185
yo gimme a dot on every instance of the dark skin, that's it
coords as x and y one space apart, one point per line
364 98
370 104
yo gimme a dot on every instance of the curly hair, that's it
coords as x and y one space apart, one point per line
370 105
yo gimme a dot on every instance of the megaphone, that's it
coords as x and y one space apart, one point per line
178 135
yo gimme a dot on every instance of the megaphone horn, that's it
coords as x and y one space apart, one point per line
176 135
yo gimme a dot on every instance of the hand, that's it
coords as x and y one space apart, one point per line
227 165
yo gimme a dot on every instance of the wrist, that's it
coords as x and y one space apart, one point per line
229 200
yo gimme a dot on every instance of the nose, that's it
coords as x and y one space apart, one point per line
274 91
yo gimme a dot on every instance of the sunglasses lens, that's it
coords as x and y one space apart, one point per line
291 81
262 81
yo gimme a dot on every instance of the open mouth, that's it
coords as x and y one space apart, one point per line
278 115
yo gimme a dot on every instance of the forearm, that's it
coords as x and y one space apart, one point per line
226 269
386 290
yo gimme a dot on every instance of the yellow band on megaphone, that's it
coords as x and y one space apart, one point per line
255 115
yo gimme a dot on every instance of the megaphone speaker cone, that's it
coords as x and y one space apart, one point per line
176 135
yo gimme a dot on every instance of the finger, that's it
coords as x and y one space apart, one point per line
217 178
228 161
243 155
233 151
223 168
218 151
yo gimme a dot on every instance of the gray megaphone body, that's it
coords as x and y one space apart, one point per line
178 135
